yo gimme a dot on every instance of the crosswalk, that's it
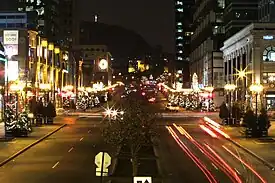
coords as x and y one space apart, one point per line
163 115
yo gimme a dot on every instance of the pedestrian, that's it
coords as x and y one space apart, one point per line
50 113
33 109
39 112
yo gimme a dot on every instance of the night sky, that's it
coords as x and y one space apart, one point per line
152 19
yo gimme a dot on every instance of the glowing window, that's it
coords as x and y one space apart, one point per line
269 54
180 9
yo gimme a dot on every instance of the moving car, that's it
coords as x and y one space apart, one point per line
172 107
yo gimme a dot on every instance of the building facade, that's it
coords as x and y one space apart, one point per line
252 49
184 30
266 11
206 59
35 63
96 64
179 30
238 14
13 20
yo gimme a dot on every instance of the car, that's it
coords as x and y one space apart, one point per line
172 107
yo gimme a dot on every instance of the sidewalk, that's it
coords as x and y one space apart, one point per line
63 112
10 147
261 148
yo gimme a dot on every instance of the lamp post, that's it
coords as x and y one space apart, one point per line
242 75
230 88
257 89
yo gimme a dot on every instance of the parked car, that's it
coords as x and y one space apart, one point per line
172 107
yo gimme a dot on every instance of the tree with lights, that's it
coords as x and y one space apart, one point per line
134 129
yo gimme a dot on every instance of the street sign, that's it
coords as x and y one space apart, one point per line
102 161
99 173
142 179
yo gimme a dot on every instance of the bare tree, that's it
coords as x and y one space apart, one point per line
134 129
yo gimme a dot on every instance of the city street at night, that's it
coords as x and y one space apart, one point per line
66 156
223 159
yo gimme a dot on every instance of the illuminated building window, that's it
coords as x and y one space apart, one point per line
180 9
188 33
179 23
221 3
179 30
237 14
269 54
179 3
180 51
29 8
179 38
180 58
180 44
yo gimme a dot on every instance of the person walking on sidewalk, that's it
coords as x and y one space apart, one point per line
39 112
33 109
50 113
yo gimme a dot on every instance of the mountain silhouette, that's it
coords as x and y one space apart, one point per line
121 42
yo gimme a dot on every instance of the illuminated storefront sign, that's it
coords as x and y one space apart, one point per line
11 37
268 37
13 72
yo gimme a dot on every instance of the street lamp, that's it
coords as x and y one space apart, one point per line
230 88
257 89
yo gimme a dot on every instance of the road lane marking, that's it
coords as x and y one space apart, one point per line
214 166
71 149
237 171
55 165
81 139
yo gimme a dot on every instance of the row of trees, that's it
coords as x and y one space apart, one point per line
133 130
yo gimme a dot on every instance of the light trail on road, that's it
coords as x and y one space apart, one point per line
246 164
217 160
199 164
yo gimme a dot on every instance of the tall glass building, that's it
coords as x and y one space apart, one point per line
179 30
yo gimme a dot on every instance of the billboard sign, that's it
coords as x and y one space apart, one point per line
11 37
12 73
11 49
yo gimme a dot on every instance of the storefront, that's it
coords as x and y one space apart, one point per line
249 58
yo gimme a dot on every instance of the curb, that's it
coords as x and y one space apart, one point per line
266 163
30 145
262 160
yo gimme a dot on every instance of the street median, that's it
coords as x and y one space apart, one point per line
31 145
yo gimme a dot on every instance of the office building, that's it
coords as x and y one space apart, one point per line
43 15
238 14
266 11
183 32
179 30
13 20
206 59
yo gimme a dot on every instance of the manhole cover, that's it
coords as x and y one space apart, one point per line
267 140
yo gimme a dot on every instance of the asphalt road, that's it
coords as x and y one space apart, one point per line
226 162
67 156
